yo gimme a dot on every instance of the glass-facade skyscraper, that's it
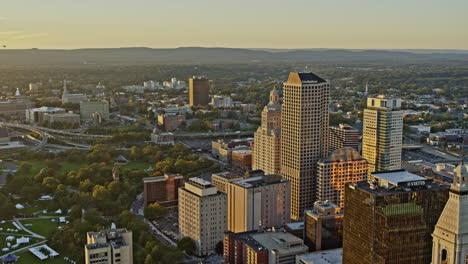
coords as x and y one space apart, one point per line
390 219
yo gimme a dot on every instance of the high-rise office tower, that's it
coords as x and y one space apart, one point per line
199 89
343 136
391 218
202 214
342 166
450 237
304 132
267 148
254 202
382 133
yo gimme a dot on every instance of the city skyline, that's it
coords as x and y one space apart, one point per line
362 24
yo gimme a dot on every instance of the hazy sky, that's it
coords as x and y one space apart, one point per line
399 24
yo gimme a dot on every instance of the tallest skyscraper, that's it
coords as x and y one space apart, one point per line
304 136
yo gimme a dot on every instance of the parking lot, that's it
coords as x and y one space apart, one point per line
169 225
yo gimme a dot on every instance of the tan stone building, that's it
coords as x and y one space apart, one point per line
87 108
342 166
450 237
202 214
221 179
111 246
304 132
199 89
343 136
267 149
382 133
261 201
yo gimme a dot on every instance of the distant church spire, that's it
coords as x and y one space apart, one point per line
65 91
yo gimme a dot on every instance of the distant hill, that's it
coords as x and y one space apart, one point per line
199 55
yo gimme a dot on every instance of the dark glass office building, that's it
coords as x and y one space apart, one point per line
390 219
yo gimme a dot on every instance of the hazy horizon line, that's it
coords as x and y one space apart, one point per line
227 47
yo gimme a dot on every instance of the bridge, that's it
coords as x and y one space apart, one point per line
40 143
213 134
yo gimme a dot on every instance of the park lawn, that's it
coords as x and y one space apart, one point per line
140 165
43 227
29 210
36 165
27 257
66 166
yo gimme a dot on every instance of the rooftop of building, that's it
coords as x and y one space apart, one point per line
243 152
325 208
47 109
227 175
295 225
304 78
384 96
63 114
199 182
398 176
345 127
343 155
334 256
258 181
281 242
273 107
108 232
162 178
402 183
113 238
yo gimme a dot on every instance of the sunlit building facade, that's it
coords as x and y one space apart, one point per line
254 202
382 133
304 132
267 149
202 215
343 136
342 166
